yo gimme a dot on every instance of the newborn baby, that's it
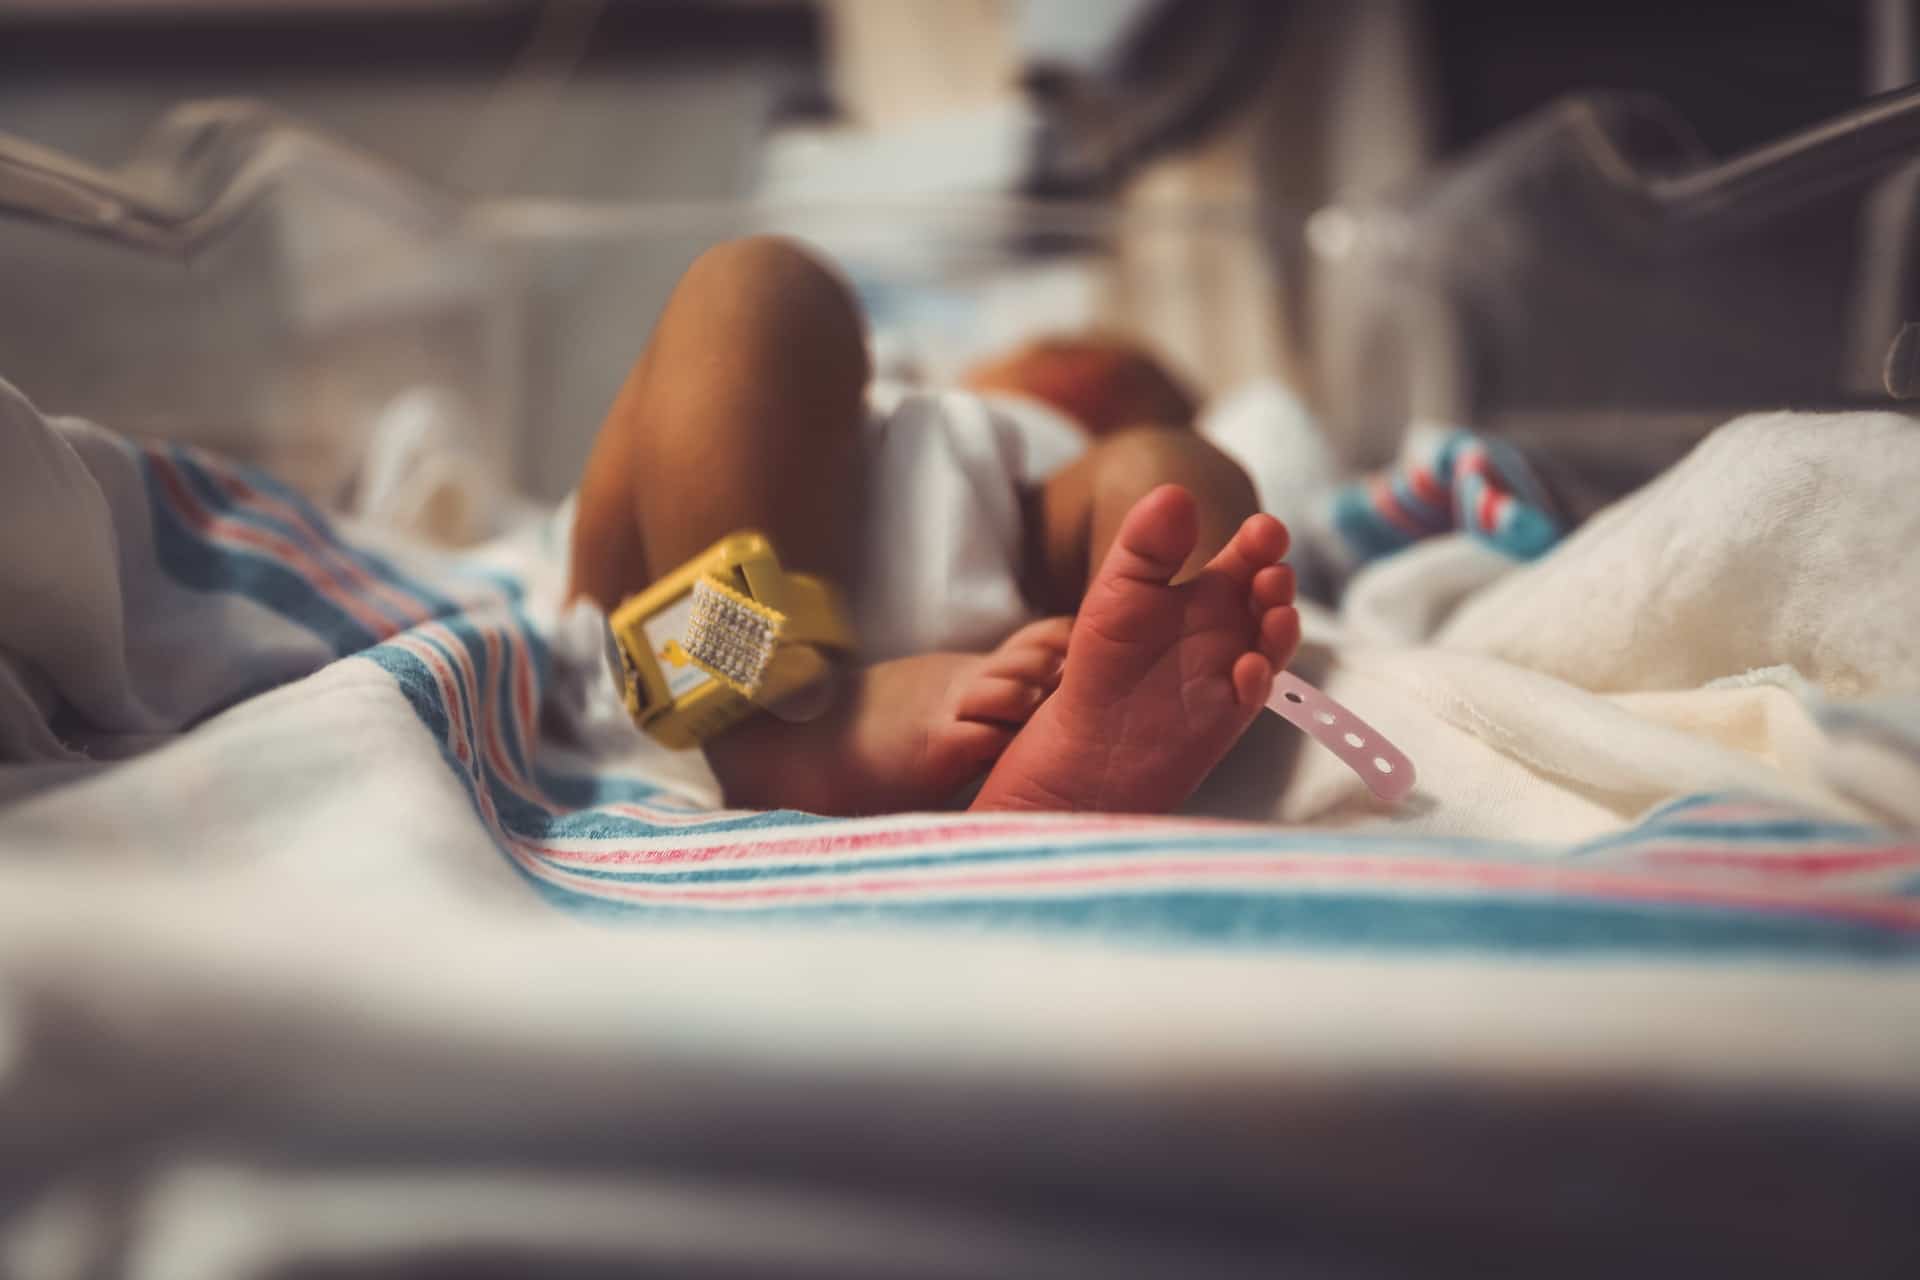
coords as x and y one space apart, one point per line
750 409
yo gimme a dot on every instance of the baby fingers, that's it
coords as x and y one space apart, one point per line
1001 699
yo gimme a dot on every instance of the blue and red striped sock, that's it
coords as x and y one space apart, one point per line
1459 482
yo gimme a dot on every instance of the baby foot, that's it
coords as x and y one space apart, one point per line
905 735
1160 678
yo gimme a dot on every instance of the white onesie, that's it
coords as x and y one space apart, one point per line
942 550
943 542
943 545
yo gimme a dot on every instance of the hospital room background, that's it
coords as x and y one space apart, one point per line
348 927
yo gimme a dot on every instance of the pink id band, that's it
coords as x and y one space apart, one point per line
1381 765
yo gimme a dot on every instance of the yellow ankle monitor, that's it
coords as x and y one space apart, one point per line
726 632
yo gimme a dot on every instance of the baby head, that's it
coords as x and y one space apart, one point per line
1104 383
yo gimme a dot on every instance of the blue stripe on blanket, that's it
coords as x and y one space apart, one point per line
1776 831
1351 922
523 807
195 560
399 598
518 822
260 560
286 512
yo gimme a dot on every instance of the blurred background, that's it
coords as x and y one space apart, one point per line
367 240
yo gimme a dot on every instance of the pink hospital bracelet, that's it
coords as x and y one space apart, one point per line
1365 750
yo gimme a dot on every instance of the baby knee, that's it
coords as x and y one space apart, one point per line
1137 461
773 275
768 321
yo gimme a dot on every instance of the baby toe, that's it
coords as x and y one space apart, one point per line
1280 635
1154 539
1252 679
1260 541
1273 587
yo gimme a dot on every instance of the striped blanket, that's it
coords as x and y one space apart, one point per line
329 883
393 700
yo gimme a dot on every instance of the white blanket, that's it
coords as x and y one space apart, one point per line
1694 637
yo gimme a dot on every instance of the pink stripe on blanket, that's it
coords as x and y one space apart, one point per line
1807 864
324 547
1367 873
238 533
809 841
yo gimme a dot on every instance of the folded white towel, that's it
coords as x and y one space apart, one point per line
1785 538
1702 635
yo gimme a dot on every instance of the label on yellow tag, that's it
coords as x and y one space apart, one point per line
665 631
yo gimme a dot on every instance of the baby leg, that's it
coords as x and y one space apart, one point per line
745 411
1072 521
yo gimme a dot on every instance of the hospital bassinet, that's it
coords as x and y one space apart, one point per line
904 1046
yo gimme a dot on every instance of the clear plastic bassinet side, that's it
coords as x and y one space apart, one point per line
942 285
247 284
